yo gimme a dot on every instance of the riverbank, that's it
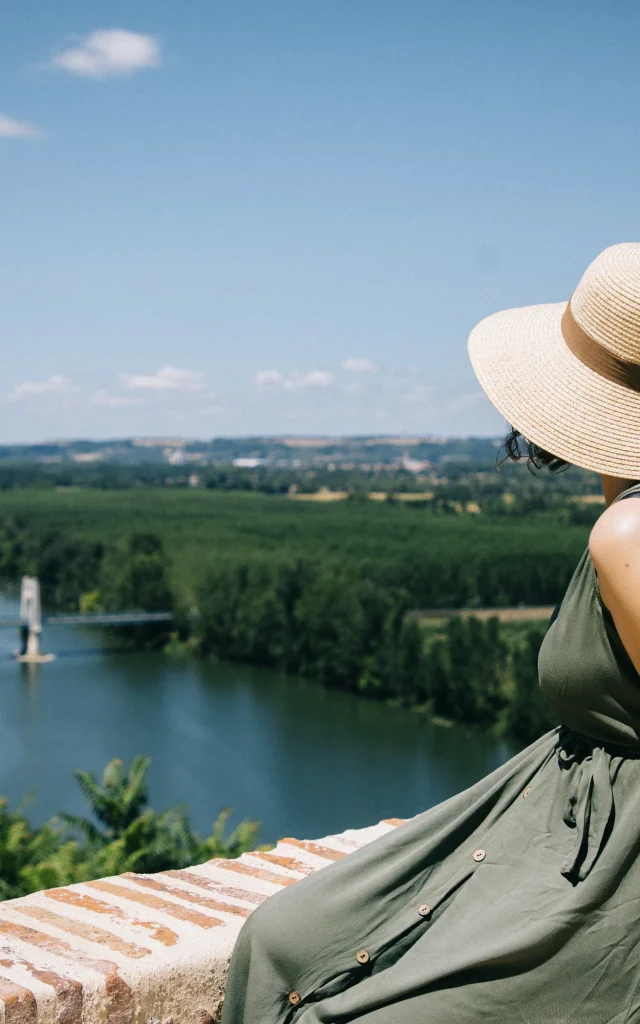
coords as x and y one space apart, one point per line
273 747
477 674
316 591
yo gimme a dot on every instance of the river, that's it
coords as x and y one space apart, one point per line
302 760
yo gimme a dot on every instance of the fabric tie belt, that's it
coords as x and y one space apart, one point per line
590 805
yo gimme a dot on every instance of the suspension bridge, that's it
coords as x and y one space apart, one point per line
30 620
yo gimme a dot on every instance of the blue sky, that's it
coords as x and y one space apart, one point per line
285 216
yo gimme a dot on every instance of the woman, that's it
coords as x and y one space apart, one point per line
518 900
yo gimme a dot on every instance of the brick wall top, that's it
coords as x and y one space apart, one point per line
145 949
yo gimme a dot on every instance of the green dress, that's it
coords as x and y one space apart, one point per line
516 901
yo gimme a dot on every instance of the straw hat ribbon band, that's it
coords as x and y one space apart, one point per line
597 358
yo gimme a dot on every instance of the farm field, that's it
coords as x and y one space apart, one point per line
325 494
517 614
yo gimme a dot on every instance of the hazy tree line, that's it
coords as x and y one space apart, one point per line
79 547
448 486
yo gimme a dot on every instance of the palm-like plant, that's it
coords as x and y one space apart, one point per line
134 837
242 838
128 836
117 803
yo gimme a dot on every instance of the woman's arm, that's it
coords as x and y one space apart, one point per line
614 546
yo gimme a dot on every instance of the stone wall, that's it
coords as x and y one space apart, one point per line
145 949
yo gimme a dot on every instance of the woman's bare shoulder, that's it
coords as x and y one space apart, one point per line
615 537
614 546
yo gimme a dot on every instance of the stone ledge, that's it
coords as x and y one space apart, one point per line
145 949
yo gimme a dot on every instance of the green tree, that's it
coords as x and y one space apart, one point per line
332 627
135 577
22 849
116 804
528 714
410 680
126 835
465 671
138 578
122 834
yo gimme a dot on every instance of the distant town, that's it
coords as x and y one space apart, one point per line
369 454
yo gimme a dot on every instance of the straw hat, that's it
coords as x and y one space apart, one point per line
567 375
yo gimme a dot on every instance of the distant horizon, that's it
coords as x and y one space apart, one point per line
160 439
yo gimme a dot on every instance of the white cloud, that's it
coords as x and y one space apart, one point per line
110 52
12 129
54 385
103 398
313 379
295 381
167 378
265 378
359 366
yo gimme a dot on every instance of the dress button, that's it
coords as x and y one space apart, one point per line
424 910
294 998
526 791
479 855
362 956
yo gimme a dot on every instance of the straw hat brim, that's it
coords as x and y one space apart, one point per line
542 389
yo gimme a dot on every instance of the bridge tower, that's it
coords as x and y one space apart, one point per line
31 622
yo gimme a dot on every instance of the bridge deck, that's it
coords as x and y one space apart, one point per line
99 619
109 619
